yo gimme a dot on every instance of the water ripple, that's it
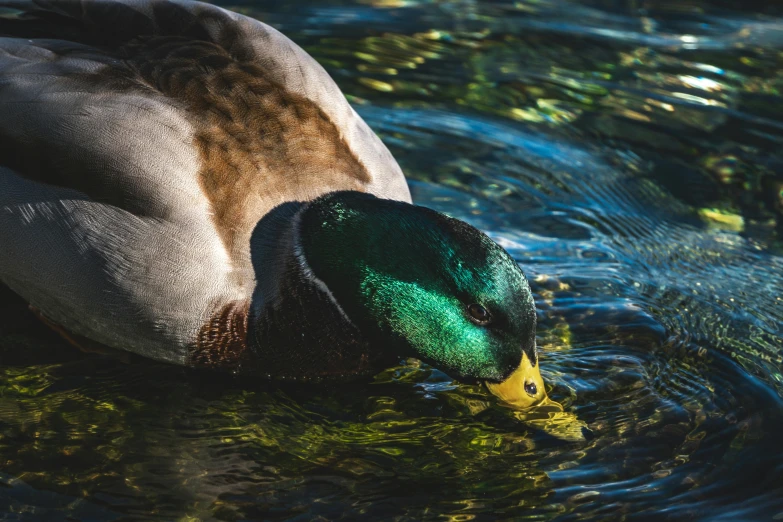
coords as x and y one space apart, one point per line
627 158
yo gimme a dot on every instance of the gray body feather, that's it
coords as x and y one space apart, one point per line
109 231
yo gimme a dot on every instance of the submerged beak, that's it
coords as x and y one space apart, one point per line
524 391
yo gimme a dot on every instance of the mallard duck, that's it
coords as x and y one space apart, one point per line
187 184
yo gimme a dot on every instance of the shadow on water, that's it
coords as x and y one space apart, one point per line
626 153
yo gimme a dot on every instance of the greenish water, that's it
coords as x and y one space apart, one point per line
628 155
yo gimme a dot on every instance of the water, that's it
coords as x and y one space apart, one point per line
627 154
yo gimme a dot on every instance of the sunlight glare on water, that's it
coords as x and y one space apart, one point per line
627 155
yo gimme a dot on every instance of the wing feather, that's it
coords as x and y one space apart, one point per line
72 41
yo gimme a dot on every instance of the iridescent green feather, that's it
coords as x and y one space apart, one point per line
407 274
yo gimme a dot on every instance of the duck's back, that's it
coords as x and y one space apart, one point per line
140 143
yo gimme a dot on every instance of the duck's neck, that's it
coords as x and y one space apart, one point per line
295 327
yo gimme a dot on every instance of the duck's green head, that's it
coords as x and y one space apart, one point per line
424 285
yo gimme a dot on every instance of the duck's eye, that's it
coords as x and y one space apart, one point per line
479 314
531 388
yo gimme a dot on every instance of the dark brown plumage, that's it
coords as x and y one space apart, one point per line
222 341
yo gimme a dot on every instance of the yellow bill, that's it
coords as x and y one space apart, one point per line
524 391
524 388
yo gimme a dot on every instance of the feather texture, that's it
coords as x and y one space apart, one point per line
141 142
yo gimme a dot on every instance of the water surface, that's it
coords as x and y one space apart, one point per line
626 153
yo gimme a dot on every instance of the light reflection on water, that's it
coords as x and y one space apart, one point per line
627 156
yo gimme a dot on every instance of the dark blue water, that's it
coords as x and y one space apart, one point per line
627 154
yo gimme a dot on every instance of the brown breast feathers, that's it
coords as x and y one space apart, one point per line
222 341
